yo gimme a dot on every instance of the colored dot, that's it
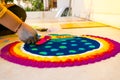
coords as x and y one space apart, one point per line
54 49
81 49
78 38
73 44
62 47
83 40
73 41
63 40
43 53
88 43
64 43
92 46
59 54
34 49
50 43
72 51
56 40
48 46
32 45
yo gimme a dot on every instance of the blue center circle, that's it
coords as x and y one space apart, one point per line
63 46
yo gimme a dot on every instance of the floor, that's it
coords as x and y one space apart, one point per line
104 70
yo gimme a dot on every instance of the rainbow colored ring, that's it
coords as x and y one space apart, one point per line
15 52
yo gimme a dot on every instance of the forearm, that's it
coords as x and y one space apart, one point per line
10 20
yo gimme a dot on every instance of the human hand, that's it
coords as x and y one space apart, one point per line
27 34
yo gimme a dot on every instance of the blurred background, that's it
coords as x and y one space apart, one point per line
105 11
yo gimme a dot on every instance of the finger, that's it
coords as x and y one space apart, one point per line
36 38
28 41
24 41
33 40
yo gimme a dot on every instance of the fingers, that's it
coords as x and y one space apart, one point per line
32 40
28 41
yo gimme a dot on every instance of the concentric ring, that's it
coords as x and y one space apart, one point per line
17 52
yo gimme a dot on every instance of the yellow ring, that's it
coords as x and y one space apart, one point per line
105 46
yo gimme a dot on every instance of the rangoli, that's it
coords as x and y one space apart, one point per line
62 50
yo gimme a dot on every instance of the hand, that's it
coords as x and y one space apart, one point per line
27 34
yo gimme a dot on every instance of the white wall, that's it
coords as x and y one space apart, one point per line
106 11
62 3
81 8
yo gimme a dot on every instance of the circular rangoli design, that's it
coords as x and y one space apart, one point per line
61 50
